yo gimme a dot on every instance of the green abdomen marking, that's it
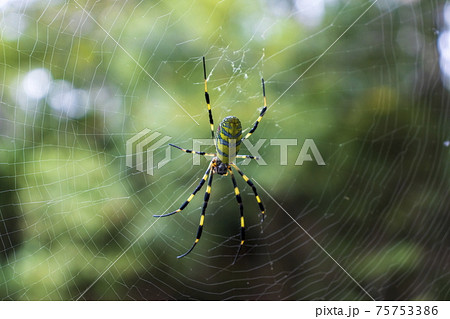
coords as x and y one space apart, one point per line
229 135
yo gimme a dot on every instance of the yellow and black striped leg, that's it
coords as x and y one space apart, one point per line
263 111
202 217
250 183
247 156
208 102
241 209
191 151
199 186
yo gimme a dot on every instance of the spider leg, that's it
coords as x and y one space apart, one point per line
191 151
199 186
250 183
208 102
247 156
263 111
241 209
202 217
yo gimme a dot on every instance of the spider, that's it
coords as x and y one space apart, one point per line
227 144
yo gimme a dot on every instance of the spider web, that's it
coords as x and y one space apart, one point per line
366 81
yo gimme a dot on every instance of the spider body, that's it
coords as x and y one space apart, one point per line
227 142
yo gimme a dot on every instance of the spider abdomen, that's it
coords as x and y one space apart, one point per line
229 135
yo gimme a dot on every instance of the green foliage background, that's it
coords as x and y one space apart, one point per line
75 222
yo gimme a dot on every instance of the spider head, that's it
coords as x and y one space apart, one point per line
220 167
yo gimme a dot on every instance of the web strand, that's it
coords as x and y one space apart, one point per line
323 53
129 247
135 61
314 240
